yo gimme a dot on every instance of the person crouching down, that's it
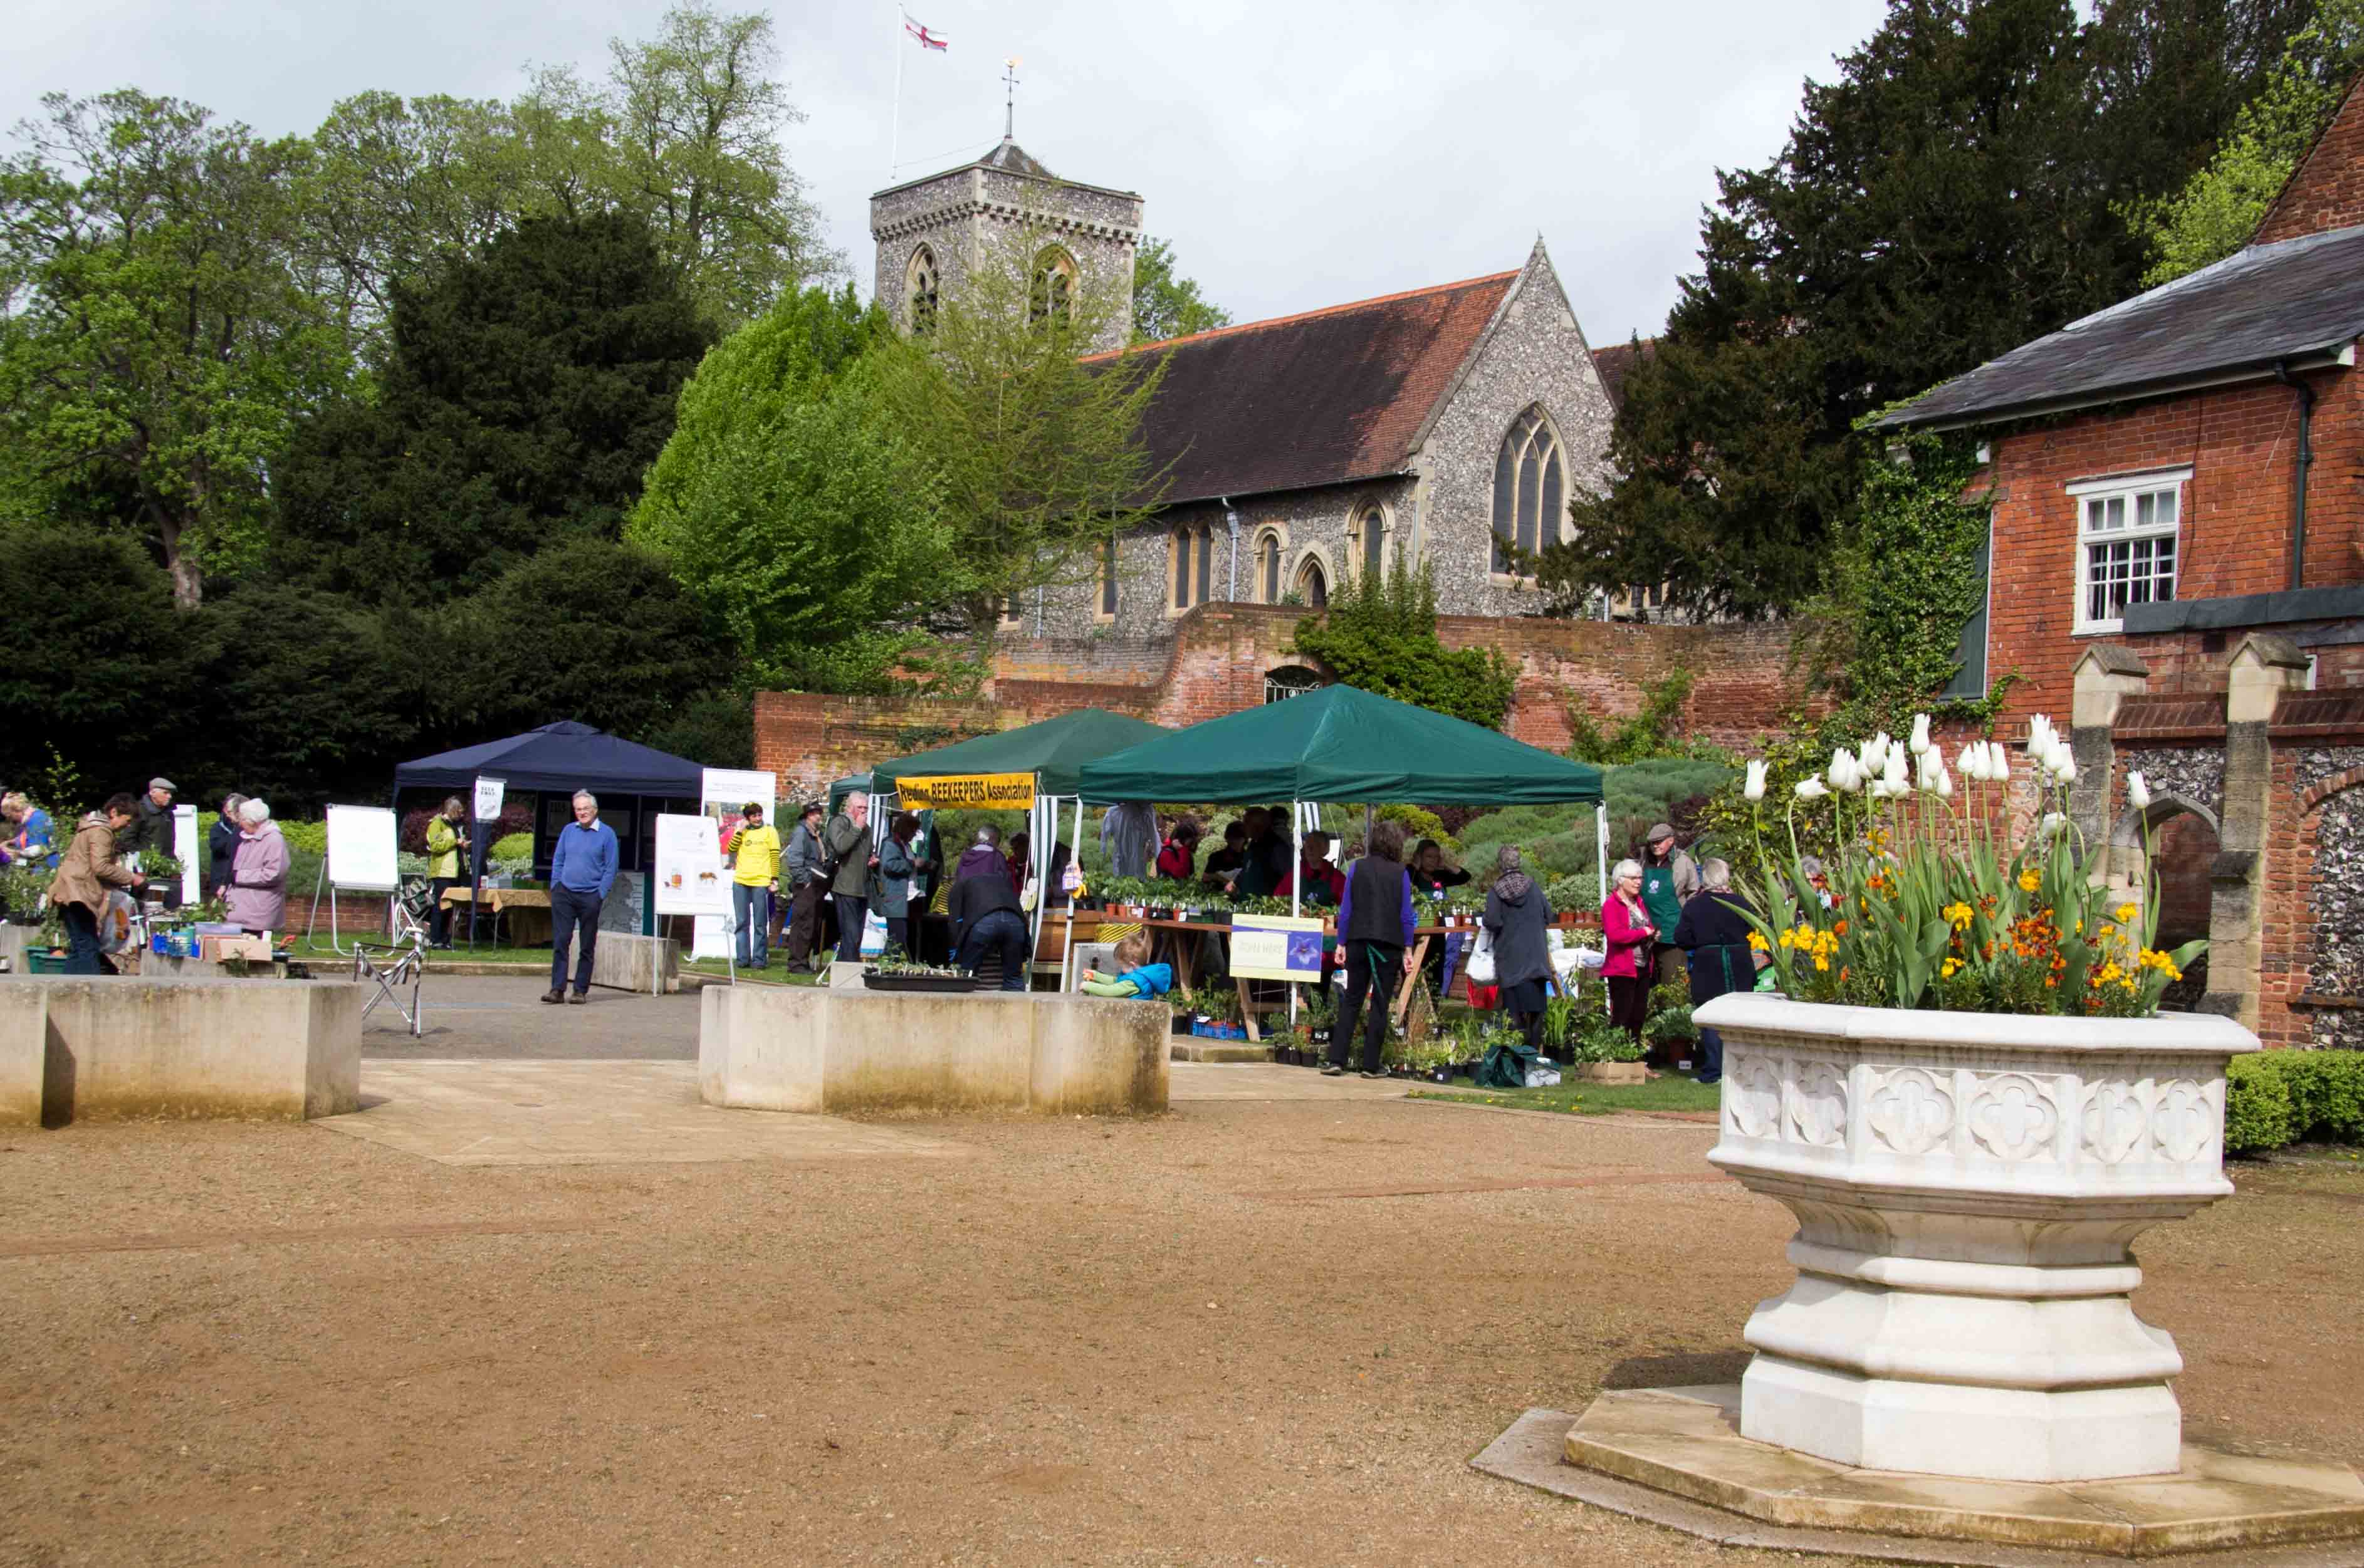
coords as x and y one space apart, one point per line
985 913
1135 976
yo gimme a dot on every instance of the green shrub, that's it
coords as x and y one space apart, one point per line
2258 1112
2327 1092
311 837
513 846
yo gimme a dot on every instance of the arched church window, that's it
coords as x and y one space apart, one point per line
1370 535
1053 295
1530 488
1313 585
1268 568
1181 569
922 290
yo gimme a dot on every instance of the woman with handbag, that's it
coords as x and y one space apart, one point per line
1627 934
1714 932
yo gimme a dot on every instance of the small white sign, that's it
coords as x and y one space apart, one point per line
490 792
690 878
185 849
361 847
735 787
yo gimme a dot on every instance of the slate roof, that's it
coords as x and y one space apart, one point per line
1616 361
2301 300
1325 398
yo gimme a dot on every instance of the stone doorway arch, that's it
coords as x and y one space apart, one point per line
2184 840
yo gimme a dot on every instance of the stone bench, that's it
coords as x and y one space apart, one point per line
78 1049
622 961
807 1049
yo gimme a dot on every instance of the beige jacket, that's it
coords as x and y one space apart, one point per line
90 866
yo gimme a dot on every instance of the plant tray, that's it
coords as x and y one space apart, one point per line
918 983
45 963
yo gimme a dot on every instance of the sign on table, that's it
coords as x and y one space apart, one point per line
1277 947
690 878
987 792
361 847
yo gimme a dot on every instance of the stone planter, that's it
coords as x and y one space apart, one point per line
1612 1072
1967 1188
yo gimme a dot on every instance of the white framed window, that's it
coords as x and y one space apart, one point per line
2128 530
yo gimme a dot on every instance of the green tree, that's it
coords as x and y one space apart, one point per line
1379 635
1033 452
2219 208
527 389
1164 304
1945 200
787 502
155 339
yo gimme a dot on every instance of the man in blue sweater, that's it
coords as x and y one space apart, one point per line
582 869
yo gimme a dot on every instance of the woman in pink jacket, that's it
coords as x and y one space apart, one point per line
257 901
1625 927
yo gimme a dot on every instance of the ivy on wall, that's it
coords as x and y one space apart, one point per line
1380 636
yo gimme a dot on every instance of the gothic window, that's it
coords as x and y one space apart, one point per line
1268 568
1181 569
922 290
1370 540
1052 294
1107 579
1313 585
1530 488
1206 565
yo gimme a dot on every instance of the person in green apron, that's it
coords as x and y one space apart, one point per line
1668 879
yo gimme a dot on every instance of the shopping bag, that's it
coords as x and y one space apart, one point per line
1481 959
874 935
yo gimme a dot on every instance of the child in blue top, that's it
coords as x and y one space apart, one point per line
1145 981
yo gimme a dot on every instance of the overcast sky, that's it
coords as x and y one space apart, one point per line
1296 156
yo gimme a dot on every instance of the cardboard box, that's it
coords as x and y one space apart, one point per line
216 949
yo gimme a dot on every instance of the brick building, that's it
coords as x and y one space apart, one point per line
2177 559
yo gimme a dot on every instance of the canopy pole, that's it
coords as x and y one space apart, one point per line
1296 882
1067 931
1600 872
1036 852
476 858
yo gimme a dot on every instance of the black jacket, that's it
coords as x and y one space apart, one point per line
1517 913
221 845
974 897
152 828
1714 933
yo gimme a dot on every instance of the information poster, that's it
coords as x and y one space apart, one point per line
490 795
361 847
722 792
690 878
1277 947
185 849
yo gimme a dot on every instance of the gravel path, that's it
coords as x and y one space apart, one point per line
1094 1343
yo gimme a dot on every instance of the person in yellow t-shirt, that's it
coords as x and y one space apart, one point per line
755 875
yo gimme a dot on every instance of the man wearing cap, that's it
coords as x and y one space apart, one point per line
756 867
151 820
805 889
1668 879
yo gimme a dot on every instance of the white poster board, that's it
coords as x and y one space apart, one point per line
361 847
729 788
690 878
185 849
490 794
1277 947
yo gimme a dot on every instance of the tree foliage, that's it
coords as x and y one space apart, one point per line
1945 199
1164 304
527 388
2221 205
155 339
1379 635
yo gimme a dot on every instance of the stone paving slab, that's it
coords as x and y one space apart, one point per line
593 1113
1266 1081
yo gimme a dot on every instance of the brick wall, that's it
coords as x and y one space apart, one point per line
2327 189
1220 654
2236 523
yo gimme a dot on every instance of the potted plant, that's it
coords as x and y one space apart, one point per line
1604 1053
897 972
1320 1014
1968 1097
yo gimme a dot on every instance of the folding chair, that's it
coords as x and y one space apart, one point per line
401 960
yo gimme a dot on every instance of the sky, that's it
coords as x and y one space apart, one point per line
1294 156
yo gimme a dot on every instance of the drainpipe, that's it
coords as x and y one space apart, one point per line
1231 521
2305 461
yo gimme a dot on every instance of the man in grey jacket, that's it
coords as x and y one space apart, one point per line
806 888
848 841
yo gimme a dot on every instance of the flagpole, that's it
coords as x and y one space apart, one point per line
895 140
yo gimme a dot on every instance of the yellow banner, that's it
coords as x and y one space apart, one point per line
990 792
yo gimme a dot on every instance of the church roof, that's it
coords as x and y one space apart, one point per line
1615 361
1324 397
1007 158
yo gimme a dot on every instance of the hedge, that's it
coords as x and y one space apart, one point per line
2278 1098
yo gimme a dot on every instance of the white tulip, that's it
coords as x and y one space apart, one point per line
1898 780
1812 787
1998 764
1755 788
1841 761
2052 823
1920 742
1845 778
1973 761
2064 767
1945 784
2138 792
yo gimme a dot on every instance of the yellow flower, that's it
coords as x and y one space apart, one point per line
1789 939
1959 915
2129 910
1757 943
2107 930
1821 962
2028 880
1946 970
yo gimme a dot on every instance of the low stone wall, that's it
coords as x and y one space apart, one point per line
622 961
805 1049
78 1050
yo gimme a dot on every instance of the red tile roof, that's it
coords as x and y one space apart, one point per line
1615 361
1322 397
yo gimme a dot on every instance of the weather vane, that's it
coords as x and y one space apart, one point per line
1009 103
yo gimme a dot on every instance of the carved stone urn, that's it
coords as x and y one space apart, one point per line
1967 1188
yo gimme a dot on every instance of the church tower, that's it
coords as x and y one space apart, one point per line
930 232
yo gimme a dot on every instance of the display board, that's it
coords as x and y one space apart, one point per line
361 848
984 792
490 795
722 792
735 787
1277 947
690 878
186 850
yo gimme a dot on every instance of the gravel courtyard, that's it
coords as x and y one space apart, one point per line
1249 1331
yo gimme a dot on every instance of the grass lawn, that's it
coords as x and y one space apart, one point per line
777 974
1670 1093
318 951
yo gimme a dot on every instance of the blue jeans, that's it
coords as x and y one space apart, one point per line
752 908
1002 929
82 941
1710 1045
569 912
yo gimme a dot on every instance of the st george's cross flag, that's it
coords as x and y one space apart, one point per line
927 39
